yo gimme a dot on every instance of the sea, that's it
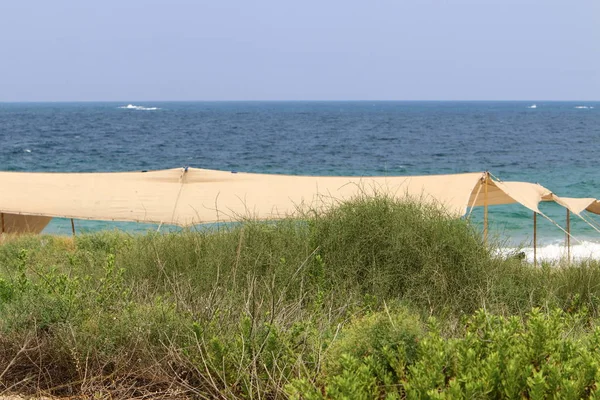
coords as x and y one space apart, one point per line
551 143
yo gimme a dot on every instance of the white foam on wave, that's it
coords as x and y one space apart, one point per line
532 106
27 150
584 107
142 108
556 252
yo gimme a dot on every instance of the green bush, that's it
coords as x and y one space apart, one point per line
408 250
493 357
384 336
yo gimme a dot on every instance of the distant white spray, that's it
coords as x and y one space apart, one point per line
141 108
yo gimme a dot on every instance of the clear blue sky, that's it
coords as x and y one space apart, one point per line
142 50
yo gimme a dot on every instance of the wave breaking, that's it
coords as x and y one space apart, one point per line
556 252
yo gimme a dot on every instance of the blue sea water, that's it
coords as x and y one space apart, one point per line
554 144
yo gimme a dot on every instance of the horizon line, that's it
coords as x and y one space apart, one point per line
298 100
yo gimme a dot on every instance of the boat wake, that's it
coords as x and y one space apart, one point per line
141 108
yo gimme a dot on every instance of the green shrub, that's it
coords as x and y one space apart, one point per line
493 357
408 250
388 337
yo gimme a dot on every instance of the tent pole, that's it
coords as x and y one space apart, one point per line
485 208
534 238
568 236
2 218
72 226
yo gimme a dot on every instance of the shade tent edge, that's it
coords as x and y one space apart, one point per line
190 196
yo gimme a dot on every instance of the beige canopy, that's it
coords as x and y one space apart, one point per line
15 223
192 196
524 193
578 205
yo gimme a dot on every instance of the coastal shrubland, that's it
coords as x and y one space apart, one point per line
373 298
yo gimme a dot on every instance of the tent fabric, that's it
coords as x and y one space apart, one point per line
192 196
97 196
275 196
498 193
575 205
594 207
14 223
527 194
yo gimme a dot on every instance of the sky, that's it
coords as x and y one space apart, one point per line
144 50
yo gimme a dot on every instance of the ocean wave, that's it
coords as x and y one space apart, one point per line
555 252
584 107
142 108
532 106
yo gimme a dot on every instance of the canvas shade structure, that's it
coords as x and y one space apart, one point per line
527 194
578 205
496 192
191 196
15 223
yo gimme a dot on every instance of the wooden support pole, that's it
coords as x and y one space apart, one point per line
534 238
2 218
72 226
568 236
485 208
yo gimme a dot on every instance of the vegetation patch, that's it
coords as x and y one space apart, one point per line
325 304
537 357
